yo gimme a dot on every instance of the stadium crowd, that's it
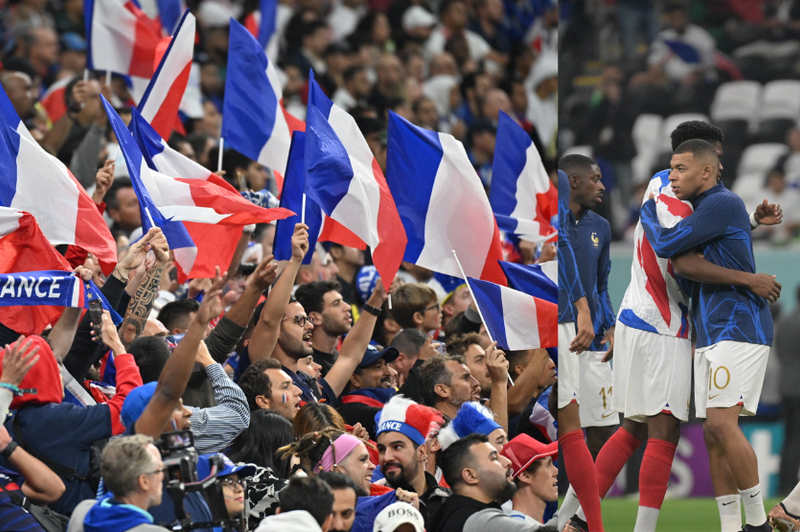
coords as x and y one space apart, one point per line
280 396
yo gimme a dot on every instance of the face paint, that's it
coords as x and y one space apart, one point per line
285 397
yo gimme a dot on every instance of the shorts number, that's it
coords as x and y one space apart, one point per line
713 378
606 396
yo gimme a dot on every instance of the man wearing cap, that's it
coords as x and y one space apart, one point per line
402 428
535 476
399 517
369 388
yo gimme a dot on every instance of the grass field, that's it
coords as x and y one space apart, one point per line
677 515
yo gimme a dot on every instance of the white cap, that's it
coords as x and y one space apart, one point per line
217 14
545 67
417 17
294 521
397 514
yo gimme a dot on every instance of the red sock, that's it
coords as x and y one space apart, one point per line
654 473
612 458
580 470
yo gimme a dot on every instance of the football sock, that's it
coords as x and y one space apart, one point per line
580 471
653 481
753 502
613 457
792 501
730 513
568 507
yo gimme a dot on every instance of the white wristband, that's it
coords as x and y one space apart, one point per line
753 222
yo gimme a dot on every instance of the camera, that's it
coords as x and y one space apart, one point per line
179 454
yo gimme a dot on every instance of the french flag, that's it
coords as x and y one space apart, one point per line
320 226
537 280
162 99
442 203
345 180
120 37
169 12
253 120
516 320
54 101
186 209
34 181
522 196
261 23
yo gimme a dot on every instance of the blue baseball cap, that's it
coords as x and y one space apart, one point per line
366 279
372 355
136 402
228 467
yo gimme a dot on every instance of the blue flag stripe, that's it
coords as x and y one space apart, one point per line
9 148
530 280
509 160
487 296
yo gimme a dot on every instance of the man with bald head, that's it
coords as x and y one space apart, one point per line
20 90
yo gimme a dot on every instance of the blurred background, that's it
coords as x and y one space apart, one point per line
632 70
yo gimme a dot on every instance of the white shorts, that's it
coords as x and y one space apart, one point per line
729 374
568 367
652 374
596 384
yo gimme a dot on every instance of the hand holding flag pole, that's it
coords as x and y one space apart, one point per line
488 333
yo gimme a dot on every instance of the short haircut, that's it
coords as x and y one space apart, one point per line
575 162
515 358
312 295
175 311
310 494
459 344
351 72
124 460
434 371
409 341
338 481
695 129
110 199
698 148
409 299
310 27
458 456
445 6
151 354
254 381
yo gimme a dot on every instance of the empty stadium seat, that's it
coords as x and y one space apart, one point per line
759 158
646 133
780 110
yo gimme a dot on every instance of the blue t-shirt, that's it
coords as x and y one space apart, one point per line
14 518
591 247
569 281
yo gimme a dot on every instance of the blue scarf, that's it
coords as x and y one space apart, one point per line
110 515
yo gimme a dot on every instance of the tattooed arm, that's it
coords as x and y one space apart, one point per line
142 301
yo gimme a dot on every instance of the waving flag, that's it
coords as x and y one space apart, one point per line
535 280
515 320
54 101
441 202
162 99
344 178
169 12
172 203
522 196
120 37
32 180
261 23
253 120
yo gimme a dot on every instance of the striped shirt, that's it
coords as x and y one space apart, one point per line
216 427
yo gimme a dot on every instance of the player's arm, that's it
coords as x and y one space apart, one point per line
710 220
693 266
607 316
766 214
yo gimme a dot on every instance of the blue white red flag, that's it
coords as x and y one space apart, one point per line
537 280
442 203
163 96
120 37
185 208
516 320
522 196
344 178
170 12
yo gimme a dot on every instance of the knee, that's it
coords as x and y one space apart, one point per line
715 430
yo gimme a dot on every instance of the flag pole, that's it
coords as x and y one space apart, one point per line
149 217
85 74
303 210
219 155
108 78
488 333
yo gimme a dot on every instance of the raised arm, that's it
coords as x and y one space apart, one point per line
525 386
62 335
265 335
497 364
175 375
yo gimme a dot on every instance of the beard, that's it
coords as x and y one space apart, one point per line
333 327
404 476
295 348
502 491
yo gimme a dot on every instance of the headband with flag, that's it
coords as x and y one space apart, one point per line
408 418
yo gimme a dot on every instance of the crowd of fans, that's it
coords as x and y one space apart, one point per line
281 397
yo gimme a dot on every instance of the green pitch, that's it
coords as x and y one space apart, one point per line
677 515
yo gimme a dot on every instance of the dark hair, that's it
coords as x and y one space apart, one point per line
312 295
259 443
695 129
311 447
434 371
456 457
351 72
698 148
175 311
110 198
338 481
231 161
445 6
409 341
310 494
310 27
574 162
316 417
459 344
151 354
254 381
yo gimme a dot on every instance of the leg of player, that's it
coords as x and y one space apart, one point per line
725 490
723 425
596 438
664 432
785 517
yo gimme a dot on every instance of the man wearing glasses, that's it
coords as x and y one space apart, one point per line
133 473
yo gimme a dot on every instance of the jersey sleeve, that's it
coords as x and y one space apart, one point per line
603 271
568 276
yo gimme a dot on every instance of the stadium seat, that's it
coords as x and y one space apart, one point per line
749 187
580 150
759 158
737 102
780 110
766 61
646 133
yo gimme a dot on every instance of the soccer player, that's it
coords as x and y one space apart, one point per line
733 325
573 309
652 371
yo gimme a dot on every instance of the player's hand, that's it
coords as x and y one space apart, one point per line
585 335
651 196
608 339
765 286
769 213
496 363
300 242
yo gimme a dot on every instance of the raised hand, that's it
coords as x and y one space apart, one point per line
265 274
20 357
496 363
212 306
300 242
137 252
103 181
109 334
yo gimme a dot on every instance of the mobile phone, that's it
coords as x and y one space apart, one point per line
96 313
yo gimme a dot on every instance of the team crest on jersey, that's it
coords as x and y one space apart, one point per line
595 240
